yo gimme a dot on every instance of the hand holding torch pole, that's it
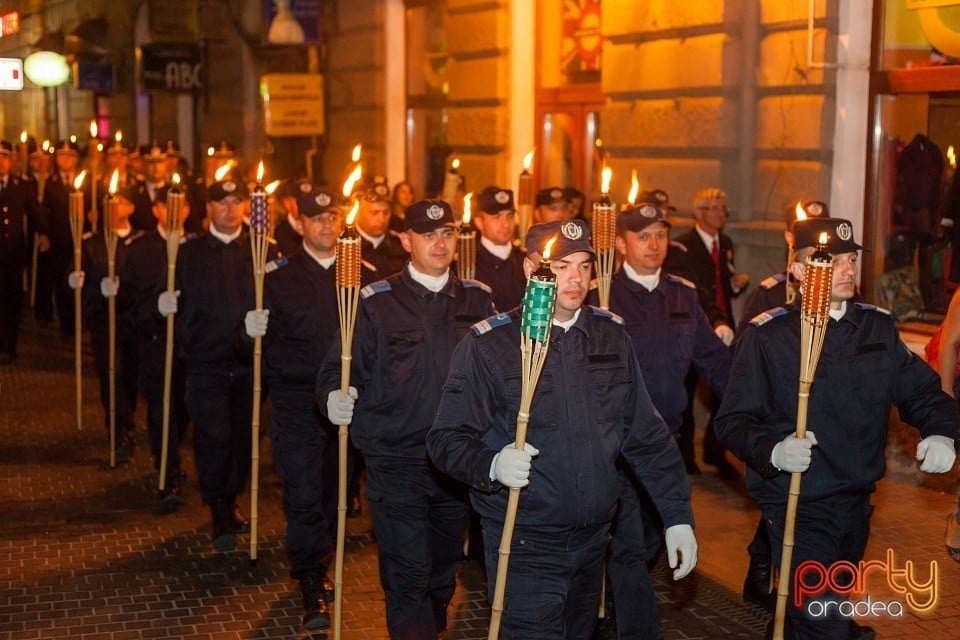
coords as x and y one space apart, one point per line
535 324
173 225
604 232
76 230
467 243
814 316
111 207
525 199
259 245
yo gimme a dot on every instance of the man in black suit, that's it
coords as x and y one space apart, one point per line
17 202
710 263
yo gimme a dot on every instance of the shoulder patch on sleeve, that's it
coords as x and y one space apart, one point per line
762 318
681 280
872 307
492 322
603 313
476 284
372 289
774 280
273 265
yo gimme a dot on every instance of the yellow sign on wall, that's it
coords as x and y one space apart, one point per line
292 104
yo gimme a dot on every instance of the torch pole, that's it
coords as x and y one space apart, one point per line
466 244
536 321
348 299
174 231
259 244
604 232
814 316
76 230
110 238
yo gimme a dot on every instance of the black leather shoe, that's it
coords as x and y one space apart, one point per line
756 588
316 614
240 522
353 507
224 534
861 632
169 498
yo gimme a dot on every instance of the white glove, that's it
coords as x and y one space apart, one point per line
255 322
511 467
725 333
937 453
167 303
680 538
75 279
340 406
792 454
109 287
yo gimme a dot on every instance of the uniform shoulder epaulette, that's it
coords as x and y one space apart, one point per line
762 318
774 280
372 289
603 313
133 237
680 280
273 265
491 323
872 307
679 245
476 284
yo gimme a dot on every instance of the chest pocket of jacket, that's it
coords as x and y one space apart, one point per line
404 355
611 384
871 370
683 328
543 412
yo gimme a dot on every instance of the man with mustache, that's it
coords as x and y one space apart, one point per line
863 369
590 413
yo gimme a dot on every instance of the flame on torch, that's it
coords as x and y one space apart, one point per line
548 248
353 213
93 129
23 137
455 164
78 181
634 188
224 169
46 145
114 181
952 157
355 156
118 136
466 207
799 210
270 188
210 151
260 172
351 180
824 237
528 160
176 179
605 176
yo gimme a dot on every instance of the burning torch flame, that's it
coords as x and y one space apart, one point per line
952 157
270 188
634 188
78 181
23 137
210 151
528 160
466 207
93 129
353 213
73 138
223 171
114 181
176 179
260 172
355 156
118 136
605 176
824 237
46 145
351 180
548 248
455 164
799 210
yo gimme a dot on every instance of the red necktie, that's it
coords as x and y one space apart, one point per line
721 299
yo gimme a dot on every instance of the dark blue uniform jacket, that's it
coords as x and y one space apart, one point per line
864 367
590 406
